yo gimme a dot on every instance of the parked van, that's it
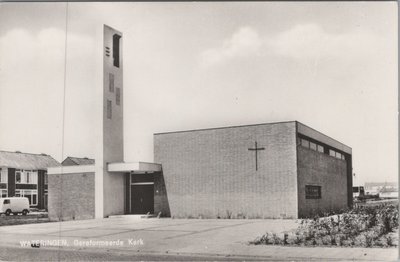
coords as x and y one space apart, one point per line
14 205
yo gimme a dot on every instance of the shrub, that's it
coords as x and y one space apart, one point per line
294 239
360 240
363 226
382 242
327 240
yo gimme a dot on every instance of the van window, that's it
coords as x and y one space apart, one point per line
6 201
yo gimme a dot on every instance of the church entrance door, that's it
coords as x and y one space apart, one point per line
142 198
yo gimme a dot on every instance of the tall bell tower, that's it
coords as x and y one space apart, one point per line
109 189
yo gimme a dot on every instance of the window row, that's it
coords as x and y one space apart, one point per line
26 176
30 194
336 154
311 145
316 147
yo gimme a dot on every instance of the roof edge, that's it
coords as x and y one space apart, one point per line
225 127
329 137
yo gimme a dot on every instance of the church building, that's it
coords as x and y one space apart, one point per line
273 170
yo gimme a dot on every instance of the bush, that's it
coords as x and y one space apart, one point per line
361 227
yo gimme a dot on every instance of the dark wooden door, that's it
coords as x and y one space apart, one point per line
142 199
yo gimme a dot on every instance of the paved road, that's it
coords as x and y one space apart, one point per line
166 239
33 254
26 254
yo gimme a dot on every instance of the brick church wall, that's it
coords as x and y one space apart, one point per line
330 173
211 173
71 196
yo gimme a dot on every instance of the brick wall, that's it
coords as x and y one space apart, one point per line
161 203
71 197
330 173
212 173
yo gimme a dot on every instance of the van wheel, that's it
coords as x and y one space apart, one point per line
8 212
25 212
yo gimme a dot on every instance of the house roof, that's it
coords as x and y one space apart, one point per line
80 161
21 160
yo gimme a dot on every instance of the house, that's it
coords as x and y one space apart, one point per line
25 175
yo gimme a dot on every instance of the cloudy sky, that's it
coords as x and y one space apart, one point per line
329 65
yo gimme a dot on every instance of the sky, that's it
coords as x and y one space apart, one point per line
191 65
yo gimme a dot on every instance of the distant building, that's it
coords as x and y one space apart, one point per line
77 161
25 175
383 189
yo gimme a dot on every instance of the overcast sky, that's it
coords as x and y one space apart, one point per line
329 65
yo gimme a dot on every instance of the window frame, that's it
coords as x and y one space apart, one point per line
27 177
18 173
4 174
332 153
313 146
305 143
1 193
312 189
33 192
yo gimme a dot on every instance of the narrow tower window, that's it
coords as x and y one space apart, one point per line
118 96
116 45
109 112
111 82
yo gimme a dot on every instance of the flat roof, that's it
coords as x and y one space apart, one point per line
312 133
301 128
71 169
225 127
135 167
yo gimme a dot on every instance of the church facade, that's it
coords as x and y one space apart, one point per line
285 170
273 170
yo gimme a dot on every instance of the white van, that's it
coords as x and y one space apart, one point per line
14 205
